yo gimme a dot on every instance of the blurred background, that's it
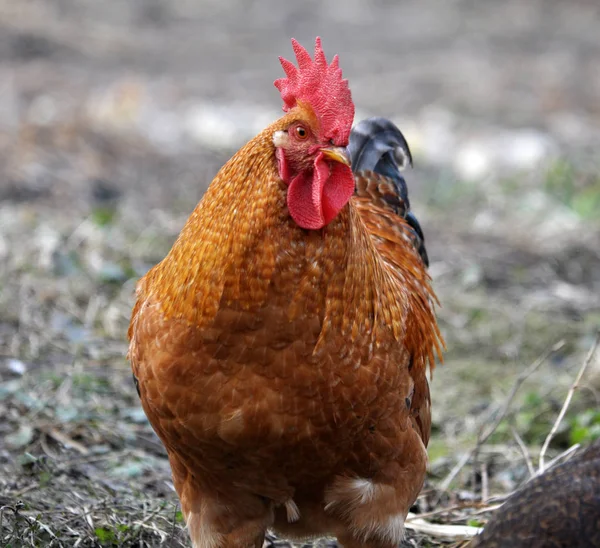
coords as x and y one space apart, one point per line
115 116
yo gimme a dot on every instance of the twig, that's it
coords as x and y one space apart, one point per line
563 456
524 451
65 440
567 401
491 507
24 490
476 507
481 438
14 509
484 482
42 525
173 524
454 472
419 525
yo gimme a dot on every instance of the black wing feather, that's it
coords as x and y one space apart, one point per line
377 145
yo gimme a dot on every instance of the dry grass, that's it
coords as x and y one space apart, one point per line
88 203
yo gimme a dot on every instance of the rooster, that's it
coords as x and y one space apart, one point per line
280 349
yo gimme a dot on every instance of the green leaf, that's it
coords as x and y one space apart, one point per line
103 216
44 478
579 434
105 536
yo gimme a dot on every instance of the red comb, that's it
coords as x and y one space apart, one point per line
322 87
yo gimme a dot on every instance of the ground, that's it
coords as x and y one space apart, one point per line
114 117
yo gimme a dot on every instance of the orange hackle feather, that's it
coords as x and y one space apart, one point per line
285 369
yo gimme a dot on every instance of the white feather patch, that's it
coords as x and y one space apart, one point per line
356 500
292 511
392 530
280 138
365 490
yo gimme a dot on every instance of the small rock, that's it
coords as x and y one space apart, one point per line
16 366
20 438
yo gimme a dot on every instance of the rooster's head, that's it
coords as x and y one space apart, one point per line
311 149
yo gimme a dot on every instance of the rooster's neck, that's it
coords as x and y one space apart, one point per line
241 248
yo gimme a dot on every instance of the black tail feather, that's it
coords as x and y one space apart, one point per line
377 145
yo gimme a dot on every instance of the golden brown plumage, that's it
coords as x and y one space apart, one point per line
284 368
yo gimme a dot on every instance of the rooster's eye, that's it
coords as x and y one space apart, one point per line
301 133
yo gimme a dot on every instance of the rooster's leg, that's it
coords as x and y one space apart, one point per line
234 519
250 534
228 528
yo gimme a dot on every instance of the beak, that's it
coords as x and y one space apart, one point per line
337 154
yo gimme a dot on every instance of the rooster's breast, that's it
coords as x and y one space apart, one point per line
256 390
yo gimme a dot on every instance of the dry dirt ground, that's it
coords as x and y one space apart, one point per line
115 115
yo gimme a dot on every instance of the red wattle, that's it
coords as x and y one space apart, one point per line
315 198
337 191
